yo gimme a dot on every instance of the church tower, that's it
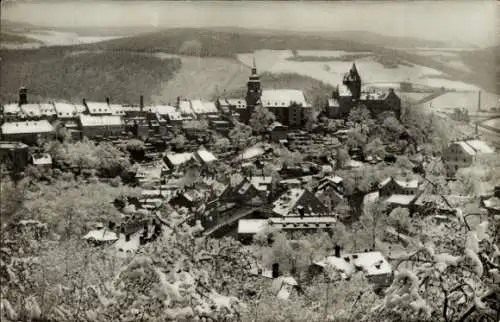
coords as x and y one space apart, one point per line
254 90
353 81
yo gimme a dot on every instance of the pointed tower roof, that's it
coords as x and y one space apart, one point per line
254 66
354 70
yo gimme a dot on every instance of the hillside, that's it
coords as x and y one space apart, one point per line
222 43
16 39
486 64
56 74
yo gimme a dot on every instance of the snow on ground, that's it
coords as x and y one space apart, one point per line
276 61
58 38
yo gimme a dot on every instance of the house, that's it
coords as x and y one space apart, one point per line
245 193
247 228
204 156
429 203
169 113
10 112
93 126
101 236
391 186
187 199
372 264
43 160
330 191
203 108
185 109
277 132
462 154
48 111
67 112
492 203
151 173
231 105
27 132
175 160
14 154
30 112
299 202
117 109
98 108
333 109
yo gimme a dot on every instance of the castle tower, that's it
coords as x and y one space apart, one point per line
353 81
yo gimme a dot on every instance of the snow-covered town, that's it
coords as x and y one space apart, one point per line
280 198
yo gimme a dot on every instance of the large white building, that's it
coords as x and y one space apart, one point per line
289 105
462 154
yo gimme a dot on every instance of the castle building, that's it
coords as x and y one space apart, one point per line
350 94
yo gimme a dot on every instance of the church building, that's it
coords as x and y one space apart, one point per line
288 105
350 94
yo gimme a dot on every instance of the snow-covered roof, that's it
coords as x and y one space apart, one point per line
251 226
492 203
101 235
12 145
332 102
31 109
185 108
98 107
473 147
101 120
47 109
205 156
438 202
400 199
409 184
65 110
166 110
239 103
261 183
203 107
44 159
42 126
11 109
285 204
117 109
371 263
179 158
282 97
252 152
274 125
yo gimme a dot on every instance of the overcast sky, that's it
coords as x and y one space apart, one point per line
472 22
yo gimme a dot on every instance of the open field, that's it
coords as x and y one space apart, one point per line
371 70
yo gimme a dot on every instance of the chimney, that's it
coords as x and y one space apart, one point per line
301 211
276 270
337 251
141 103
111 225
107 100
127 237
23 96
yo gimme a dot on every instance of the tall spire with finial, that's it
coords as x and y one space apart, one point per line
254 66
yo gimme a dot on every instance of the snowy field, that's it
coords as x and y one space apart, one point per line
57 38
331 72
493 123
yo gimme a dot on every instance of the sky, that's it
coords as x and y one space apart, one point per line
472 22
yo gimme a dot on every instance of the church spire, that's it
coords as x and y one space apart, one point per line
254 66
